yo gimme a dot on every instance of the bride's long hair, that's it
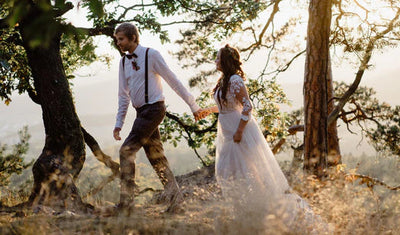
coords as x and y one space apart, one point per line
230 65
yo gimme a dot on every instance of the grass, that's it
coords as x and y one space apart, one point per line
350 207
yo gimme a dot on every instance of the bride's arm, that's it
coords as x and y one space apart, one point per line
213 109
206 111
239 90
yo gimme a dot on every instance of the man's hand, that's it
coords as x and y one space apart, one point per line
116 133
197 115
201 113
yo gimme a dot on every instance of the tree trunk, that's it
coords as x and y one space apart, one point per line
63 155
315 87
334 156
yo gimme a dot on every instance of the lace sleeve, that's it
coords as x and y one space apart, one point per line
239 91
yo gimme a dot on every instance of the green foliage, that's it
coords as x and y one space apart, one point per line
197 134
379 122
36 16
77 49
14 74
266 97
77 52
386 137
12 162
247 26
96 7
207 23
145 16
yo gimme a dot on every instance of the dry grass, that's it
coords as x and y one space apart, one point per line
349 207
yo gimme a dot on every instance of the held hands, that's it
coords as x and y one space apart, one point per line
116 133
201 113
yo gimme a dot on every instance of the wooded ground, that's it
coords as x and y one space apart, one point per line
343 202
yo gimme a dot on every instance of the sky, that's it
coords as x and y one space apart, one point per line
95 91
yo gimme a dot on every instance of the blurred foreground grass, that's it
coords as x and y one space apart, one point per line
350 207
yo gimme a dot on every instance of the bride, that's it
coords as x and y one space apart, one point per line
246 168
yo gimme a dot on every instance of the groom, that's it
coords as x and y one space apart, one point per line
140 73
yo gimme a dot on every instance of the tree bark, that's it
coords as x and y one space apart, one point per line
315 87
63 154
334 157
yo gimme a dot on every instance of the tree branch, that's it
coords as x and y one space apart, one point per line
188 129
33 95
278 146
108 30
363 66
365 9
196 22
270 20
292 131
102 157
295 128
99 154
89 140
192 128
203 10
286 66
60 12
370 182
127 9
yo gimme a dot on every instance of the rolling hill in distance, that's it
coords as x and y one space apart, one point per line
97 114
95 98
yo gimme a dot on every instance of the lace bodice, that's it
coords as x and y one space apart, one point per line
237 98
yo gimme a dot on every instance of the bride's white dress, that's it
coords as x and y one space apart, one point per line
248 172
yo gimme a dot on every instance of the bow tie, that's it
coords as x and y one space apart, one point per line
130 56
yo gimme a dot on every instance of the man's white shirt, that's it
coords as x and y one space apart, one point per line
132 83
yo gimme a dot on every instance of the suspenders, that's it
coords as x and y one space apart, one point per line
146 75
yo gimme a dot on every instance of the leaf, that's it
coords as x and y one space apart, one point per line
17 14
96 6
59 3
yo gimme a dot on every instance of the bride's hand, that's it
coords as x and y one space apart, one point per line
237 137
202 113
206 112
